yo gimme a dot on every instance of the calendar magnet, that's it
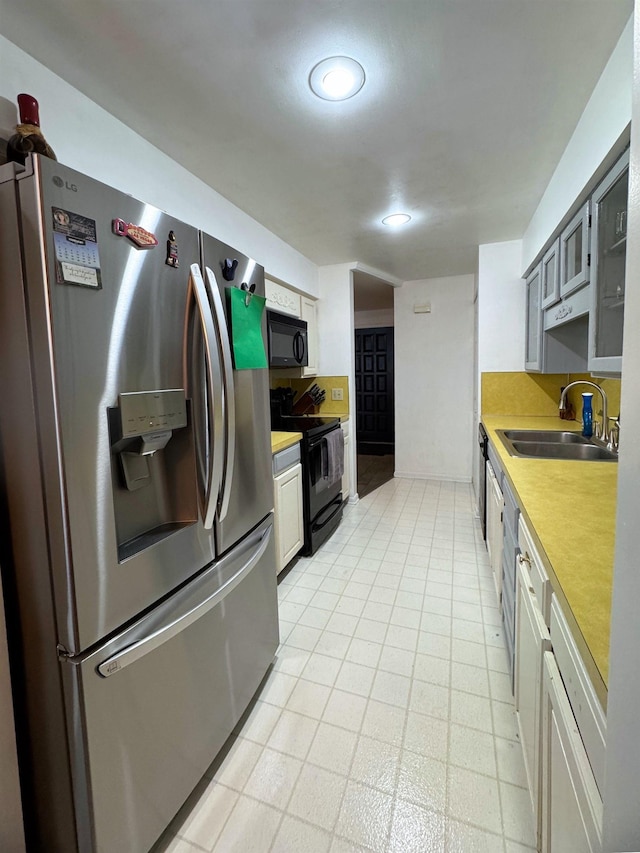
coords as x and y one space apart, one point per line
77 260
172 250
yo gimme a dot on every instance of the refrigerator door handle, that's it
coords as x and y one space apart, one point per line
215 413
176 625
229 394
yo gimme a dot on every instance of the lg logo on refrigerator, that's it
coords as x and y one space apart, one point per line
60 183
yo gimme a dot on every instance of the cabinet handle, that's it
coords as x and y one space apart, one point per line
524 558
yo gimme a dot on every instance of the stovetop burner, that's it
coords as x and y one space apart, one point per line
309 426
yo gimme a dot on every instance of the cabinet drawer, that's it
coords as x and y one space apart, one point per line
286 458
537 574
586 708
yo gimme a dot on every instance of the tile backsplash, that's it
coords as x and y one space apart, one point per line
325 383
520 393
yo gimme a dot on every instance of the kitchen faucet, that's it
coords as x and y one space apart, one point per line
605 427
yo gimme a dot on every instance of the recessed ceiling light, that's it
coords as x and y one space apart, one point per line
396 219
336 78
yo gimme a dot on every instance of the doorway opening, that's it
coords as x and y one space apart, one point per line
374 381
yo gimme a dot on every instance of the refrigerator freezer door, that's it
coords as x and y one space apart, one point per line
246 496
154 725
107 317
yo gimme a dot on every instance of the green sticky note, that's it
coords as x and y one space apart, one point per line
246 329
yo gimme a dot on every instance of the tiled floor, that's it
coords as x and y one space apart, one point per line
387 723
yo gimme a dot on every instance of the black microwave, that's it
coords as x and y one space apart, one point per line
287 338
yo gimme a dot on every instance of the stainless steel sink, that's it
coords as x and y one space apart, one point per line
549 450
555 444
546 435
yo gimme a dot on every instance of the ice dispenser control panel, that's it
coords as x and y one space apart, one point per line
152 411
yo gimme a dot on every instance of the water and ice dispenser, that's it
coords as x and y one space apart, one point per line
152 467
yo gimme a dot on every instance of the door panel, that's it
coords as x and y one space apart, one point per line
374 389
251 497
154 726
90 345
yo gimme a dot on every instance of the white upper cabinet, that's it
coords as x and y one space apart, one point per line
308 313
608 258
574 252
280 298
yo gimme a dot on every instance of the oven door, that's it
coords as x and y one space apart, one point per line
321 490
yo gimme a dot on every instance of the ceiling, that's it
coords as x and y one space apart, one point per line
467 107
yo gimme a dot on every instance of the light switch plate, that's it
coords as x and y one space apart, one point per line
337 394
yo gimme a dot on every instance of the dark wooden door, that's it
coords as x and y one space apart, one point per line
374 390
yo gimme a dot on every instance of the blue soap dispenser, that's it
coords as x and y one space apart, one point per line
587 415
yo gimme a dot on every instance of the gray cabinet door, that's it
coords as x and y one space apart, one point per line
608 252
533 342
551 276
574 252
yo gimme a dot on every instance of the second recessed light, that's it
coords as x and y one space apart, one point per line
396 219
337 78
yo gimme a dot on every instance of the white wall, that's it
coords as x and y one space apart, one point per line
434 356
335 318
336 348
501 309
604 119
621 819
374 319
89 139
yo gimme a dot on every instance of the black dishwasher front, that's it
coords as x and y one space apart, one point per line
483 452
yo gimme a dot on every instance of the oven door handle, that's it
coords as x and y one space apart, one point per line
316 441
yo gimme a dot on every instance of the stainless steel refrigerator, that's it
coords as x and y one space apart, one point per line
136 502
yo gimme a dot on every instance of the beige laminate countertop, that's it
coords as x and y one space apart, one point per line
570 508
282 440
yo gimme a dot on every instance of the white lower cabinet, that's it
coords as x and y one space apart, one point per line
561 722
288 523
571 804
531 642
495 505
346 477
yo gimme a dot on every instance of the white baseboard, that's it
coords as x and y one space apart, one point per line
408 475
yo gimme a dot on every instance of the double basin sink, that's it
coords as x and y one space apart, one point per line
554 444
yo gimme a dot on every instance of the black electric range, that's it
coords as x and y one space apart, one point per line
321 499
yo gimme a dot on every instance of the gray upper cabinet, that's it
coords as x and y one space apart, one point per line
533 344
576 291
574 252
608 250
551 276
